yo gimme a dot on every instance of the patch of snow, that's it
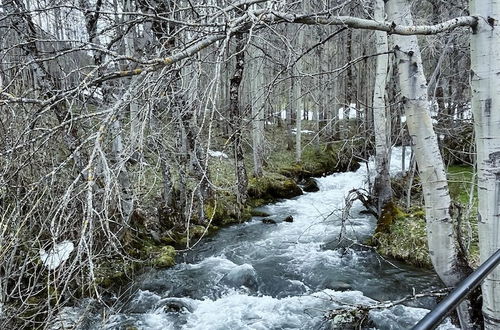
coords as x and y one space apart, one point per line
303 131
57 255
217 154
352 112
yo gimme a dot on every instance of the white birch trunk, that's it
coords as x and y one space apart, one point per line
441 234
297 101
135 125
257 93
485 81
381 126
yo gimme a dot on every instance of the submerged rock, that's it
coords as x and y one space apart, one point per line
242 275
268 221
176 305
336 285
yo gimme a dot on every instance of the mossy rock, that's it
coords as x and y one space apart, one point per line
332 158
257 213
310 185
273 186
223 209
114 273
294 171
165 257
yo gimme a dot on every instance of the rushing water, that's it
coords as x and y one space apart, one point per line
282 276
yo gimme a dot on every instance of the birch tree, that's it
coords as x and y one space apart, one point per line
381 124
257 93
447 258
485 81
236 118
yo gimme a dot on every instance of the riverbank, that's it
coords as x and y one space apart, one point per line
403 236
273 275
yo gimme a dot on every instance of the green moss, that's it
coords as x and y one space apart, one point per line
223 210
257 213
272 186
389 214
115 272
165 257
316 161
460 178
405 240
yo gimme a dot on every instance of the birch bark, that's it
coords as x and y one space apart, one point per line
236 118
257 102
446 257
382 185
485 83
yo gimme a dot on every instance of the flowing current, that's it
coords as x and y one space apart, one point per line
277 276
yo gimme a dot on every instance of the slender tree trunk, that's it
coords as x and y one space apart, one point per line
299 94
348 88
485 80
236 119
135 125
292 105
257 102
298 122
382 186
447 258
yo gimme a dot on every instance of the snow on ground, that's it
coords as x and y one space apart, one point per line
303 131
57 255
217 154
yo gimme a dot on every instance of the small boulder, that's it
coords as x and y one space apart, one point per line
310 185
165 257
177 305
335 285
288 219
242 275
268 221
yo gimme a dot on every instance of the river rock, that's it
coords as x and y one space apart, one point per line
177 305
288 219
336 285
310 185
242 275
268 221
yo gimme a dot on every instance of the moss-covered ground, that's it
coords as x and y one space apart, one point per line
402 233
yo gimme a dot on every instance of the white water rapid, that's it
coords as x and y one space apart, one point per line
282 276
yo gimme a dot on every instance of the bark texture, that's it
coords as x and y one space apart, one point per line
257 103
236 119
382 186
485 65
446 256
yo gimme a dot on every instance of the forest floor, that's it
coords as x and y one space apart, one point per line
406 237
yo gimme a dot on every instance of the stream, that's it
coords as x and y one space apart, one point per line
277 276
